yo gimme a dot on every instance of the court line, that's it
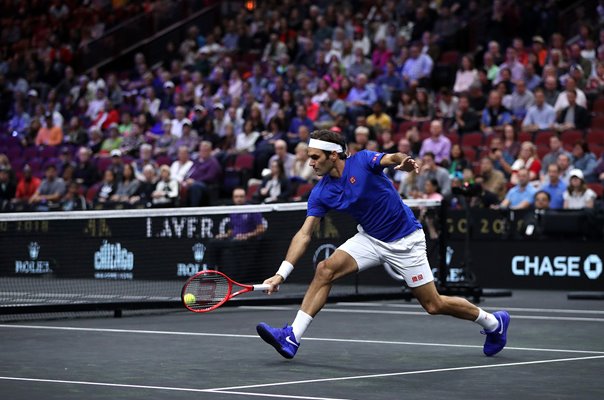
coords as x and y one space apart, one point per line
426 371
423 313
168 388
521 309
206 334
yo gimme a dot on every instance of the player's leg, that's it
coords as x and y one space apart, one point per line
435 303
338 265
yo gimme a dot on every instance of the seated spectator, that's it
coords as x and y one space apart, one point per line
424 109
550 90
188 138
49 134
265 145
578 195
585 160
405 107
281 154
361 136
180 167
466 118
555 147
562 100
26 187
113 141
511 62
431 190
430 170
437 144
495 115
300 119
387 145
511 146
519 101
417 69
145 157
491 179
465 75
447 107
166 189
75 133
127 187
573 116
302 170
389 83
540 116
245 142
360 98
522 195
49 192
527 158
146 187
73 200
205 173
532 220
7 189
274 187
458 161
107 188
379 120
555 187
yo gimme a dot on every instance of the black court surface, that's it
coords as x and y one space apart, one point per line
354 351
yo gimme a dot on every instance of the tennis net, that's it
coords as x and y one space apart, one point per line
91 260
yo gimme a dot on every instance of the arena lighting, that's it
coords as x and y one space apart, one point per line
250 5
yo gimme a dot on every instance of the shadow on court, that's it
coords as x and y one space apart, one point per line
387 350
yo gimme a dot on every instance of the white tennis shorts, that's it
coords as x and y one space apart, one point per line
407 256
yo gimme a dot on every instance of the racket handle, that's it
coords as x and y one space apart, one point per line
261 287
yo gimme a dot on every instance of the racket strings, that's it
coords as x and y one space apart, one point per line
209 290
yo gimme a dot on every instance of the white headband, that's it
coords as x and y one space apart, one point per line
323 145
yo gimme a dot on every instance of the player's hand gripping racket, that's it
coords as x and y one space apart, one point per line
208 290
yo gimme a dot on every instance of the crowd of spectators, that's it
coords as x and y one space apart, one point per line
513 116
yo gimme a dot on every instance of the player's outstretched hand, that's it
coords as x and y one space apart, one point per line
408 164
274 281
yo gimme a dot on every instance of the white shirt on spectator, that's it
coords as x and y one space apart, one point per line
176 129
245 142
178 170
562 100
578 201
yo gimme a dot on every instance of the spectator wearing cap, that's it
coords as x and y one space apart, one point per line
578 196
49 192
167 100
539 116
85 174
417 68
437 144
49 134
572 116
539 51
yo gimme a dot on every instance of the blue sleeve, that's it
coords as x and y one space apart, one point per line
315 207
371 159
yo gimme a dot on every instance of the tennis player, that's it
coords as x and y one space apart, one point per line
388 232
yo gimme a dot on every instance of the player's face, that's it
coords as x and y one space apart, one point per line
319 162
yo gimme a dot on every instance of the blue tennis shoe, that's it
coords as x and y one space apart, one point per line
282 339
497 338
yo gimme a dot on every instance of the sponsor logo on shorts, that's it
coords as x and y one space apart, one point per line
417 278
352 179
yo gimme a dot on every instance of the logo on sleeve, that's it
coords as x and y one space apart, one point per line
417 278
352 179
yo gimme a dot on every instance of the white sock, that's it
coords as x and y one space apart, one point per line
300 324
487 320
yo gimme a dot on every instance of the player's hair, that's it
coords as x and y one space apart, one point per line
329 136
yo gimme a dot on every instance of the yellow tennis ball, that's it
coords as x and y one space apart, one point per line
189 298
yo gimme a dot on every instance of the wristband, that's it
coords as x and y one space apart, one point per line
285 269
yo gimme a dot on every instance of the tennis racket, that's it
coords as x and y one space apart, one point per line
208 290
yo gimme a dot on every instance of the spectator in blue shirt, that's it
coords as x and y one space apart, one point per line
360 98
418 67
539 116
389 82
555 187
522 195
495 115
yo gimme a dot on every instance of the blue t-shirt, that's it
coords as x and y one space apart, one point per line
556 194
365 192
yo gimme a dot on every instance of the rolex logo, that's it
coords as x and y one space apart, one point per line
34 250
198 251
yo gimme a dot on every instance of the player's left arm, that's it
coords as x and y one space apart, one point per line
401 161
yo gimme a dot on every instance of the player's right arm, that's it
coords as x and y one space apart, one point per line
297 247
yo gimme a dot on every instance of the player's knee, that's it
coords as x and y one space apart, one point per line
324 272
433 306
